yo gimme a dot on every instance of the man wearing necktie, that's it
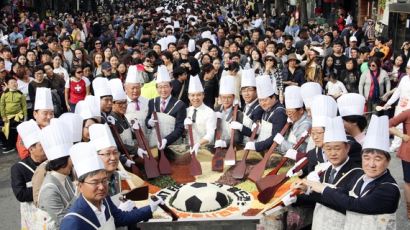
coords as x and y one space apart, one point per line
170 111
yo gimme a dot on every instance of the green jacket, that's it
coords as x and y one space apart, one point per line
12 102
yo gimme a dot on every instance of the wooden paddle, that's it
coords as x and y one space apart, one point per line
268 181
164 165
164 207
240 168
150 164
266 195
257 171
218 158
230 156
123 149
135 194
194 166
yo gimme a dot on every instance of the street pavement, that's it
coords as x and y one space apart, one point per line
10 215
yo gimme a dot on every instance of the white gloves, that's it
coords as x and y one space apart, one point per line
142 152
187 122
220 144
218 115
288 199
250 146
291 154
321 167
126 206
154 204
313 176
151 122
236 125
278 138
164 144
289 120
128 163
195 149
290 172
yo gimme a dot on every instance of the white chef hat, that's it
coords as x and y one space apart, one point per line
73 124
351 104
308 91
29 132
94 105
195 85
293 98
133 75
264 87
227 85
82 109
191 45
56 140
377 135
101 136
248 78
162 75
43 99
117 90
101 87
334 130
323 108
85 158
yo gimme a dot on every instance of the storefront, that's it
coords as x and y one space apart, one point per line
399 21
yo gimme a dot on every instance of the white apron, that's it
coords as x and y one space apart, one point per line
27 209
226 131
126 137
140 117
325 218
247 122
108 225
358 221
266 131
199 131
167 126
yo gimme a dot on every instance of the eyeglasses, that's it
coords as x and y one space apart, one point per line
103 182
109 154
98 43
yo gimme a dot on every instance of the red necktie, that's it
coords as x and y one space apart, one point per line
137 106
163 106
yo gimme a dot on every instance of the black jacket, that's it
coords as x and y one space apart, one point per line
20 176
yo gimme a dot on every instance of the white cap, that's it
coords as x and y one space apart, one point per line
43 99
377 135
191 45
101 87
85 158
162 75
117 90
323 108
29 133
293 98
308 91
351 104
353 39
82 109
134 76
227 85
101 136
56 140
248 78
94 105
206 34
74 124
195 85
334 130
264 87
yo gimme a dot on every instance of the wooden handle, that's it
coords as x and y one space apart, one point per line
119 141
217 159
157 128
191 136
234 116
169 211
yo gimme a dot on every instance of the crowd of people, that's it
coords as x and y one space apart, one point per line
66 76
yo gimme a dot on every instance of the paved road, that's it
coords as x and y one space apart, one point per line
10 215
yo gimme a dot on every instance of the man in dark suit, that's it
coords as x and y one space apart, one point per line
171 112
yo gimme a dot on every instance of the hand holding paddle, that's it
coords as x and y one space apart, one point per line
240 168
195 166
230 157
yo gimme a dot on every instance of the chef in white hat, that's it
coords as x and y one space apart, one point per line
374 197
201 117
22 172
43 113
299 119
102 91
170 111
225 111
323 108
308 91
273 118
351 109
137 107
89 110
94 209
252 111
73 124
340 174
57 191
